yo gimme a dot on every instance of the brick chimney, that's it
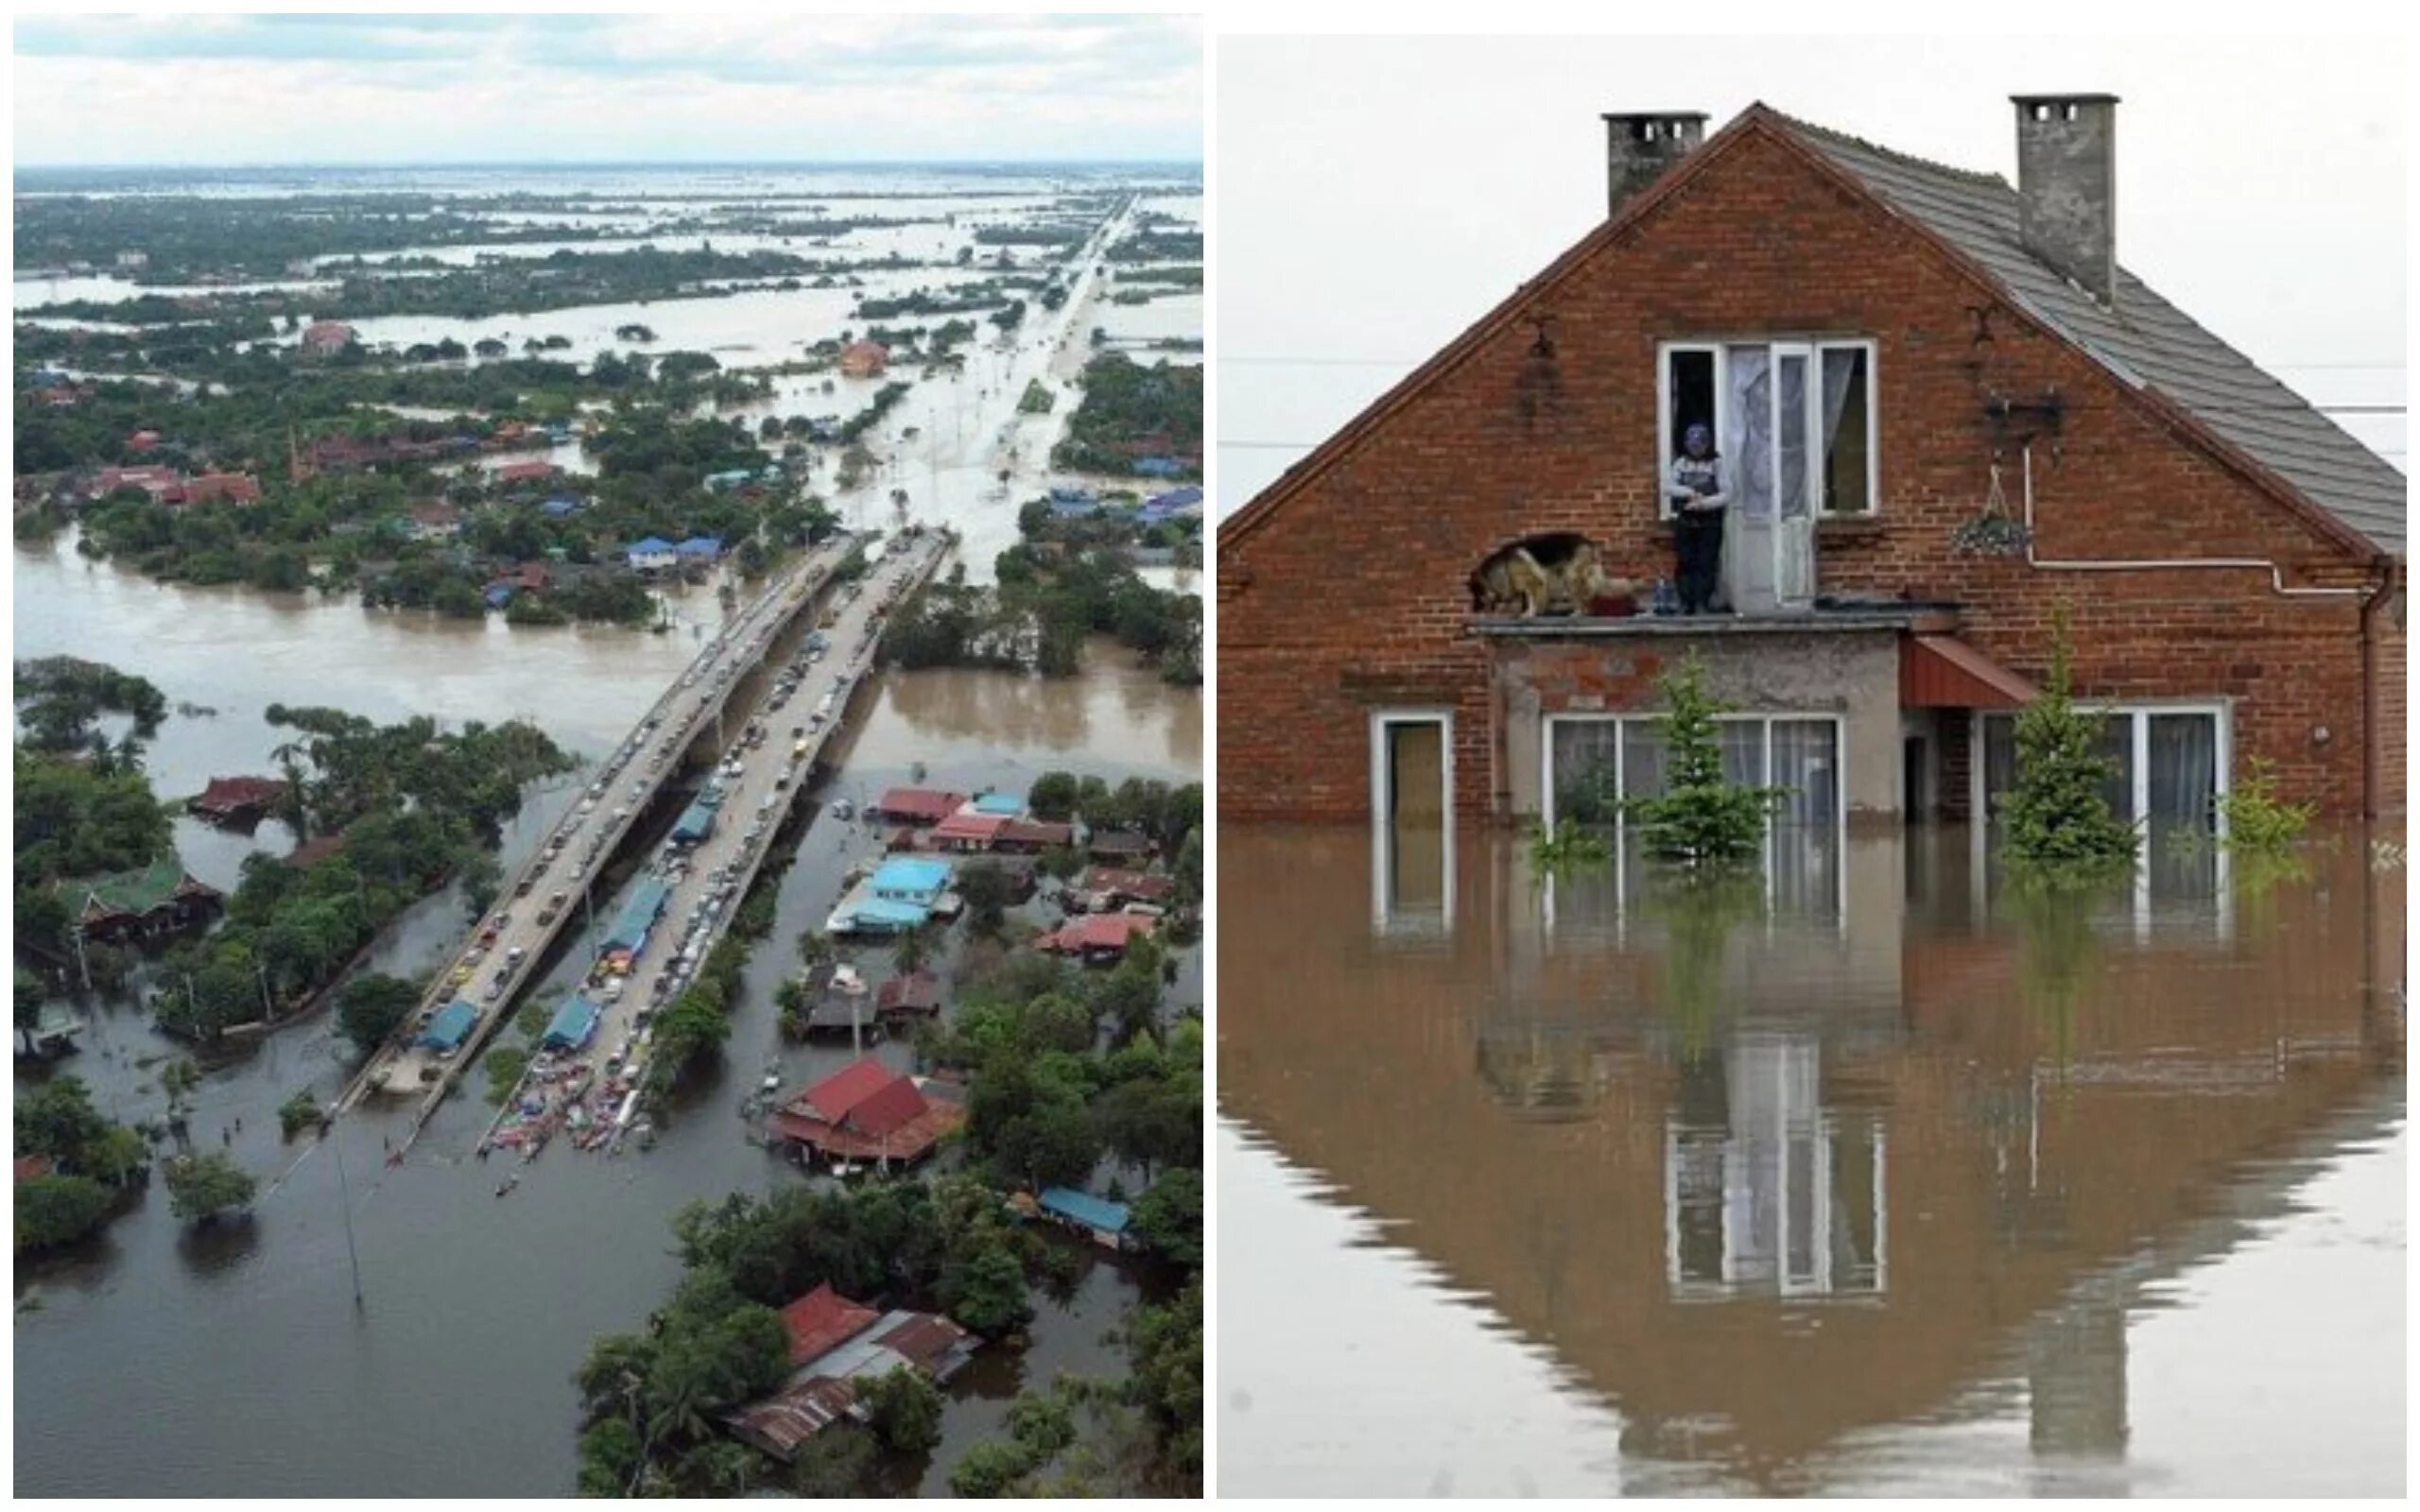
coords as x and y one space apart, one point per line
1638 148
2066 185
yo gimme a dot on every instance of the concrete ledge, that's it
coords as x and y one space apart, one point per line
1930 618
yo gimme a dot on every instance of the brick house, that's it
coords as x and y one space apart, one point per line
1887 350
864 359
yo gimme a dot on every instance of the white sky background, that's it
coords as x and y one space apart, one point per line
1374 196
721 88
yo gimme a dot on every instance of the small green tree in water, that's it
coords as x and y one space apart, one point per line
1701 816
2059 819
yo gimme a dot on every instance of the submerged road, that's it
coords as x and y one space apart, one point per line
497 963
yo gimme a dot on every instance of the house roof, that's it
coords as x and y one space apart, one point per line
2143 338
912 874
1133 883
30 1167
966 824
1093 1212
1098 931
886 1110
138 891
2213 393
652 545
1007 805
1037 832
239 792
920 803
822 1321
1118 842
831 1099
918 992
313 851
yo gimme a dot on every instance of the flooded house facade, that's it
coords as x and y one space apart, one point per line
1949 421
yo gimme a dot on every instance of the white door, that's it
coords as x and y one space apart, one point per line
1795 398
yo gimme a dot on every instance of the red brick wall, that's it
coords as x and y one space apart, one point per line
1354 590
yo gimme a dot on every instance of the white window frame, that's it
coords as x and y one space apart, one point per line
1765 717
1382 907
1719 349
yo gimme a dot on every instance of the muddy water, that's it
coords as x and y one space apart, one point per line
232 1362
1884 1185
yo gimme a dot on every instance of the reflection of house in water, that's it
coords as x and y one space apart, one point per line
1813 1168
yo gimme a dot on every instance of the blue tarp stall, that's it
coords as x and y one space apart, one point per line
697 821
638 916
449 1027
1085 1210
573 1024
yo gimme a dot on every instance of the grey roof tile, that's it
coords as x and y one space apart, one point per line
2144 340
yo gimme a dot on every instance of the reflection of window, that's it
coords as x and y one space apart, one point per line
1763 435
1767 1191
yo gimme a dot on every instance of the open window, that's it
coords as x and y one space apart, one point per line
1833 422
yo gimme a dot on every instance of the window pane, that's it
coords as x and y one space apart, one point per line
1846 490
1999 760
1584 772
1744 751
1416 771
1792 444
1689 395
1805 764
2117 743
1642 758
2185 771
1749 447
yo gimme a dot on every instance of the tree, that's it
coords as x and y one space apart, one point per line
1053 796
58 1208
904 1409
2058 816
1169 1217
200 1187
991 1469
986 892
298 1113
985 1290
57 1119
1164 1348
371 1007
1701 816
28 1006
609 1458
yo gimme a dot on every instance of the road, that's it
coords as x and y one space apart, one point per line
496 964
760 780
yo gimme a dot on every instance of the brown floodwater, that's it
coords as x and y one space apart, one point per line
166 1361
1873 1178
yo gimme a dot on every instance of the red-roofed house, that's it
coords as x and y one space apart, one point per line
30 1167
436 520
151 478
822 1321
865 1111
917 805
326 336
313 851
141 441
1099 938
524 472
864 359
235 800
1103 888
1032 836
236 488
968 829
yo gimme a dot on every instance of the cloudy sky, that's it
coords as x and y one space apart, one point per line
1373 198
425 88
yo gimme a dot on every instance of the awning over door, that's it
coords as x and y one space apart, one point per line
1944 672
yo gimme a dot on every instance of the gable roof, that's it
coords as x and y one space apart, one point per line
833 1098
822 1321
891 1108
2144 339
2217 396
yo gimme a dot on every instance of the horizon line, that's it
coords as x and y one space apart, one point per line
613 162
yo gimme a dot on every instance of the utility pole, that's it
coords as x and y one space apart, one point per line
344 1189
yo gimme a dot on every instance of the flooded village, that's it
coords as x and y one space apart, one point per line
603 498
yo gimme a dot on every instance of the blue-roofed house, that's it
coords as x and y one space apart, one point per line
448 1027
918 880
861 913
654 554
1157 467
559 507
1097 1219
1070 501
499 594
700 548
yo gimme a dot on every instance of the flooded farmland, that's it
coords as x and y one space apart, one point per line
1882 1183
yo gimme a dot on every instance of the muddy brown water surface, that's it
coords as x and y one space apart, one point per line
1882 1183
232 1361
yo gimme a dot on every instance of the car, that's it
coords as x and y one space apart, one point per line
587 805
461 975
493 993
521 888
619 814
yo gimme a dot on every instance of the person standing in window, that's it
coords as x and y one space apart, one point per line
1697 486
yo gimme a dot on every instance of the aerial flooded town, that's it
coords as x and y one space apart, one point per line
610 849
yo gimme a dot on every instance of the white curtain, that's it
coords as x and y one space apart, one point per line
2185 769
1747 449
1840 365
